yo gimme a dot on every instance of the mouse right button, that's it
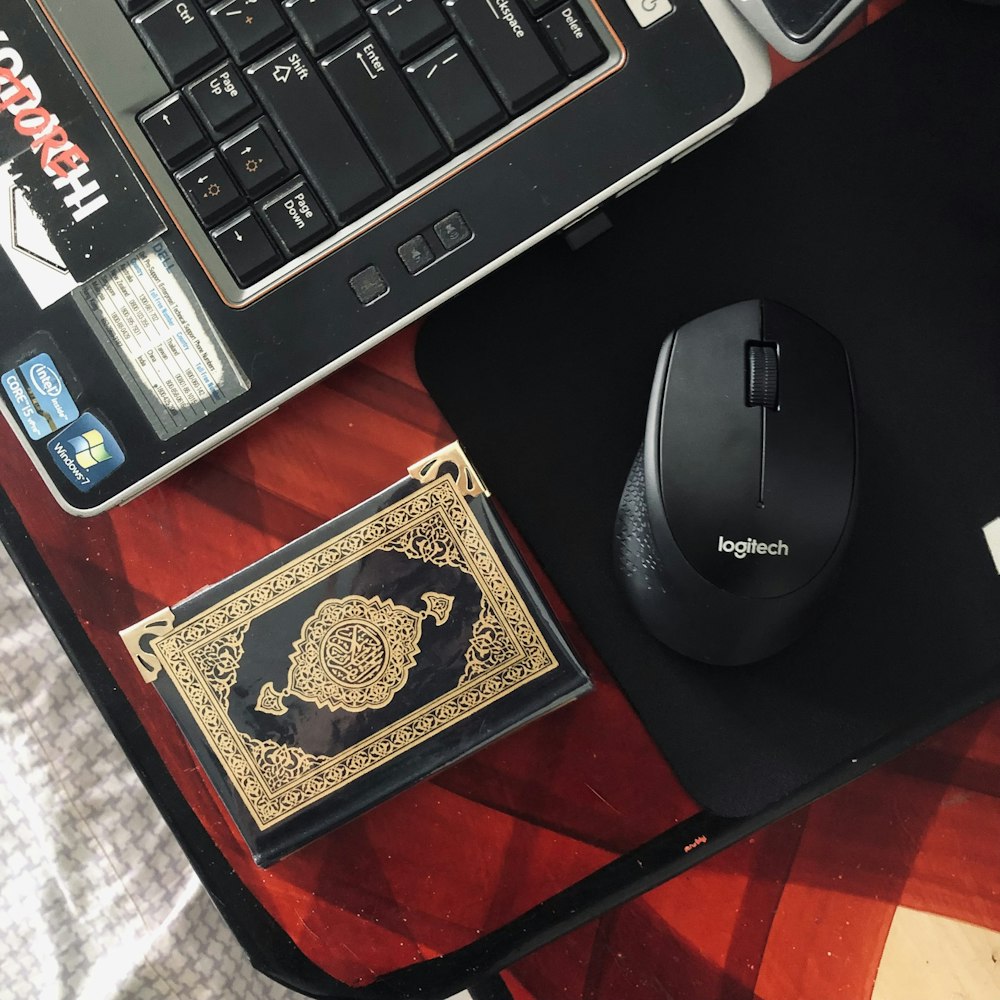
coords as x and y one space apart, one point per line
809 442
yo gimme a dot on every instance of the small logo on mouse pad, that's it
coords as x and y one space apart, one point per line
752 547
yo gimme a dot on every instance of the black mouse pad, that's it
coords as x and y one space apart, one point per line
863 193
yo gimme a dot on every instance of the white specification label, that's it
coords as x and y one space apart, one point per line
161 340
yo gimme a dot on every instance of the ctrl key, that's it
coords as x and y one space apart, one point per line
246 249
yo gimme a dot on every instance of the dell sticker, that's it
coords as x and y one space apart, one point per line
161 339
40 397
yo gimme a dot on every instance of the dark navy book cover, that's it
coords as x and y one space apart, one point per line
364 656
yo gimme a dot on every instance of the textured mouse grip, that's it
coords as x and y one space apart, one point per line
638 565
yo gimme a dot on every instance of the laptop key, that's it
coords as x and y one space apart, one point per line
369 285
409 27
453 231
246 249
178 39
573 41
223 99
539 7
324 23
257 158
296 218
173 131
364 78
249 27
416 254
133 6
461 105
209 189
316 131
505 44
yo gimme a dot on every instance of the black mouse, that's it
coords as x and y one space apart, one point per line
741 499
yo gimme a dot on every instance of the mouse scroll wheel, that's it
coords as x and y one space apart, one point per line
762 375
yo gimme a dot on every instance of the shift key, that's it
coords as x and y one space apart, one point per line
317 132
506 45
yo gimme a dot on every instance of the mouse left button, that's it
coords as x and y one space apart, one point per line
709 459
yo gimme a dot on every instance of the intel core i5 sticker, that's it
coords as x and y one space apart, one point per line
40 397
86 452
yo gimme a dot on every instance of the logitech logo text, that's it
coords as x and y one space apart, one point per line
752 547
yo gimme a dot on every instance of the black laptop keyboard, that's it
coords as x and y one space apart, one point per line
290 120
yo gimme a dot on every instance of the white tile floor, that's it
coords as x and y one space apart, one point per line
96 899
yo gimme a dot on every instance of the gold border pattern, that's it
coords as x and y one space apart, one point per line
434 525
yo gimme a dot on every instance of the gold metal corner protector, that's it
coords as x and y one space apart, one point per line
137 638
467 479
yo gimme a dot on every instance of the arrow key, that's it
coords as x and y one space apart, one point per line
245 248
173 131
209 189
258 159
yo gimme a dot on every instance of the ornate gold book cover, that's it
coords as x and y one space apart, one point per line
360 658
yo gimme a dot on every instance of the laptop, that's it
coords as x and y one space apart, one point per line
207 206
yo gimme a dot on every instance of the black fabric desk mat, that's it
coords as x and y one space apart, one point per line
863 192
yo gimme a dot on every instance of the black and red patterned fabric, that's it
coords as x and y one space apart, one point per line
830 902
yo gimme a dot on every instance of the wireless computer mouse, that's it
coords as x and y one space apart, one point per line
740 501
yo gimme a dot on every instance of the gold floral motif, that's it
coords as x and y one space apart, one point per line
490 643
430 541
220 658
434 525
354 653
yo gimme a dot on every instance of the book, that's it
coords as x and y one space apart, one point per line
360 658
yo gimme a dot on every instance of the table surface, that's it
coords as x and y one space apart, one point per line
889 887
894 876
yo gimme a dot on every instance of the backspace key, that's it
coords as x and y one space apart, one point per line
505 43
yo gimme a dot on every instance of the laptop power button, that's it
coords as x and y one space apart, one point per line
647 12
